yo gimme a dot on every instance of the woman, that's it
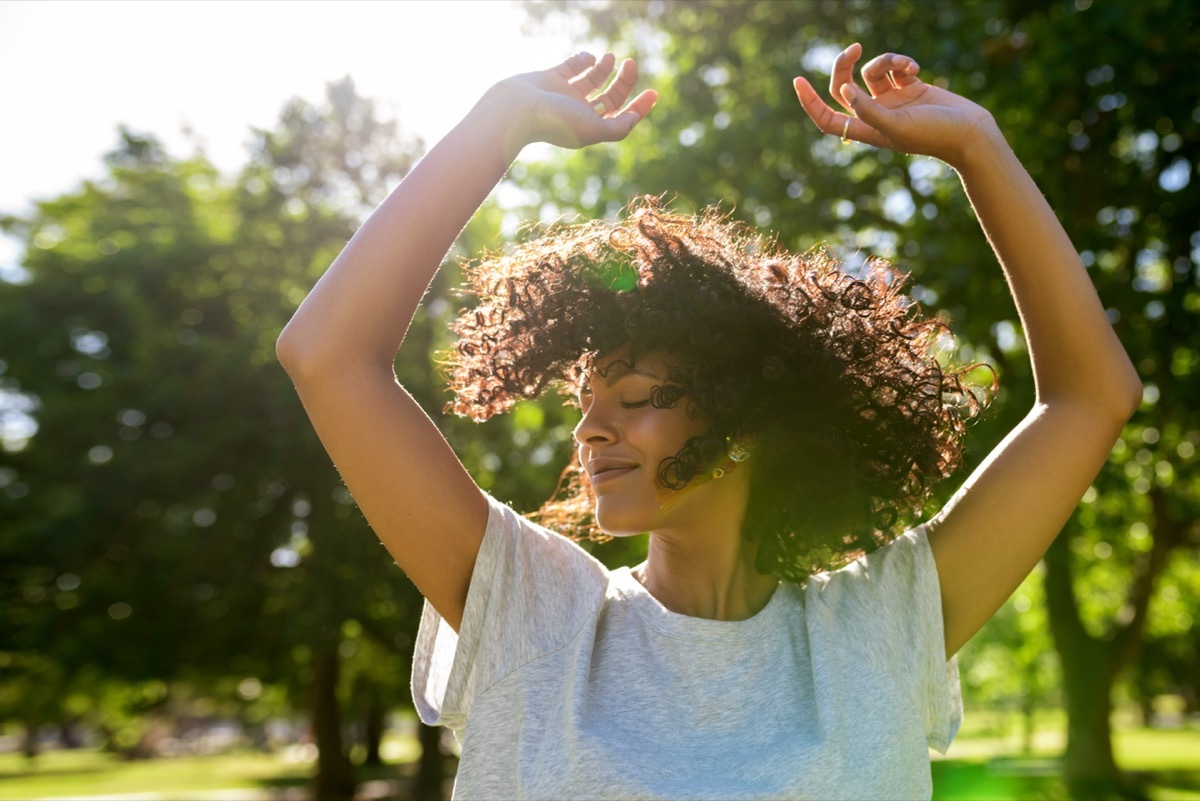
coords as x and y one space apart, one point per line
700 673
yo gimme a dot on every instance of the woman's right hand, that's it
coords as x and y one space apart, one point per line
570 105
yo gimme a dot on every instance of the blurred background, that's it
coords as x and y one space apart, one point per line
192 606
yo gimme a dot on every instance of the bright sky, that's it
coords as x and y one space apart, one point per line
74 70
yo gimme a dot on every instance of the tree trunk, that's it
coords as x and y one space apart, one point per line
373 725
335 775
1087 668
1029 704
1088 766
68 735
431 767
29 741
1146 705
1090 665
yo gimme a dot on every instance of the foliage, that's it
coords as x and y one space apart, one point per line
174 518
1010 663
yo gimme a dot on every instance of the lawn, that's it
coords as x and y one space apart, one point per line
87 772
984 763
989 764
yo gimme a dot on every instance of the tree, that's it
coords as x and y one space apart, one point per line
1127 149
1095 100
173 477
1010 662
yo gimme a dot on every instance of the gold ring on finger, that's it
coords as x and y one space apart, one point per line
846 130
600 107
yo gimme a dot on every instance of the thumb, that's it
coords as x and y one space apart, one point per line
865 107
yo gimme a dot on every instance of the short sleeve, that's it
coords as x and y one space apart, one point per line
531 590
887 606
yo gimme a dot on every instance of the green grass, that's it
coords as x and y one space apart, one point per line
1157 749
90 773
79 773
1168 761
991 765
985 762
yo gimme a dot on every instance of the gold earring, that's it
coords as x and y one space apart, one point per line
718 473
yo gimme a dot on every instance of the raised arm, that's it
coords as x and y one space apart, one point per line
997 526
340 346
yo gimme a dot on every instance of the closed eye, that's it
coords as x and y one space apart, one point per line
635 404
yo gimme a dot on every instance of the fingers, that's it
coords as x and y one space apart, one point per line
641 105
575 65
853 97
613 98
613 114
615 127
881 74
866 120
587 77
843 71
593 77
836 123
826 119
889 71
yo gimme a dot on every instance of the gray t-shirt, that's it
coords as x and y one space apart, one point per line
570 681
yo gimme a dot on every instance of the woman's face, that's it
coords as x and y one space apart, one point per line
623 438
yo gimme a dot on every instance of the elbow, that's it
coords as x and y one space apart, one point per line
1107 401
1132 394
285 350
295 355
1127 389
317 357
1121 398
1119 392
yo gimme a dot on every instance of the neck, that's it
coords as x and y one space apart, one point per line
706 569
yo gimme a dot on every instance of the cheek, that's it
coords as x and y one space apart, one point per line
672 433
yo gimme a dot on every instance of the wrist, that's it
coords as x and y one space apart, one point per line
507 111
984 147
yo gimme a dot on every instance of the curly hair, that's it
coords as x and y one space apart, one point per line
832 378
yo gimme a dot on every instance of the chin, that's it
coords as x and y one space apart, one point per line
616 521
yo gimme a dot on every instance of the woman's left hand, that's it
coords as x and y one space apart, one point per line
901 112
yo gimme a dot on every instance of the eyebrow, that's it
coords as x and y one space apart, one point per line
620 371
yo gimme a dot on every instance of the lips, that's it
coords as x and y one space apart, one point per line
604 469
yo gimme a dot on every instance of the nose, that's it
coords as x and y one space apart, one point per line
595 427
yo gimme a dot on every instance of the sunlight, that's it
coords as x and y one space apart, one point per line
205 73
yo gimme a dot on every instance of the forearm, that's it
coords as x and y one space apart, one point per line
1074 352
361 307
